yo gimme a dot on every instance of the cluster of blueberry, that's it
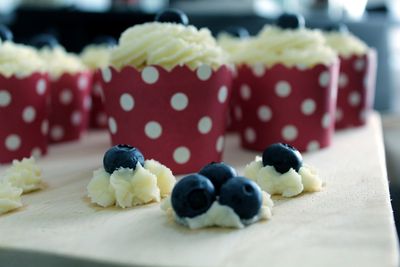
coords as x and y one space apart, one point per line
194 194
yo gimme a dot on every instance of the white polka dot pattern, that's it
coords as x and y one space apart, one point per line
264 113
259 70
205 124
222 94
283 89
343 80
313 146
5 98
112 125
354 98
204 72
57 132
76 118
41 87
106 74
250 135
324 79
150 75
179 101
13 142
66 96
326 120
308 106
29 114
153 130
220 144
289 133
127 102
181 155
245 92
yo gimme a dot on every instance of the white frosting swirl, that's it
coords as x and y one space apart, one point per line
346 44
288 184
58 61
17 59
10 197
273 45
96 56
167 45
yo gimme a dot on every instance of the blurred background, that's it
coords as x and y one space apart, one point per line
77 22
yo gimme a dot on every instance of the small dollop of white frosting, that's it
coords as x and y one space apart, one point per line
10 197
288 184
126 187
24 174
220 215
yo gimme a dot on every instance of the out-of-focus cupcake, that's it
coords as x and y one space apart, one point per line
287 84
234 41
70 83
97 56
167 92
23 104
357 76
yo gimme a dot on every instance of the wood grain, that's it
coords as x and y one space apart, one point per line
349 223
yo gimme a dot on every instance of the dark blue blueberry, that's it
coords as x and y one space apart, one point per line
243 196
237 31
192 195
218 173
5 33
105 40
173 16
122 156
290 21
44 40
282 157
337 27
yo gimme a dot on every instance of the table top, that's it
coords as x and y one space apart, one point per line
349 223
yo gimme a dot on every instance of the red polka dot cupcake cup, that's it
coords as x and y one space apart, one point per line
356 89
291 105
70 106
177 117
23 116
98 116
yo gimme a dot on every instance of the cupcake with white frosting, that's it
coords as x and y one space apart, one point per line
287 86
173 85
357 76
96 56
23 101
70 82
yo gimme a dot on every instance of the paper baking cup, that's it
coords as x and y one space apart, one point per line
356 89
177 117
23 116
98 117
291 105
70 106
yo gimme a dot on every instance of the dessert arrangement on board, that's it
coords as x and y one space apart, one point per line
167 88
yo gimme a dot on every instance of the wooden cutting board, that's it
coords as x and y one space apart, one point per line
349 223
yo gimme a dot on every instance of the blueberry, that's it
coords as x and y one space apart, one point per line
192 195
242 195
172 15
122 156
44 40
218 173
282 157
105 40
290 21
6 34
237 31
337 27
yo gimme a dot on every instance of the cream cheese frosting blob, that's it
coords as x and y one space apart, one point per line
167 45
126 187
96 56
24 174
290 47
345 43
220 215
18 59
10 197
58 61
288 184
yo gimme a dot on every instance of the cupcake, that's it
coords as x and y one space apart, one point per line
96 56
70 82
234 41
357 76
167 92
23 102
287 84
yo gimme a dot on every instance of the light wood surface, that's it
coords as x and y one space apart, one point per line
349 223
